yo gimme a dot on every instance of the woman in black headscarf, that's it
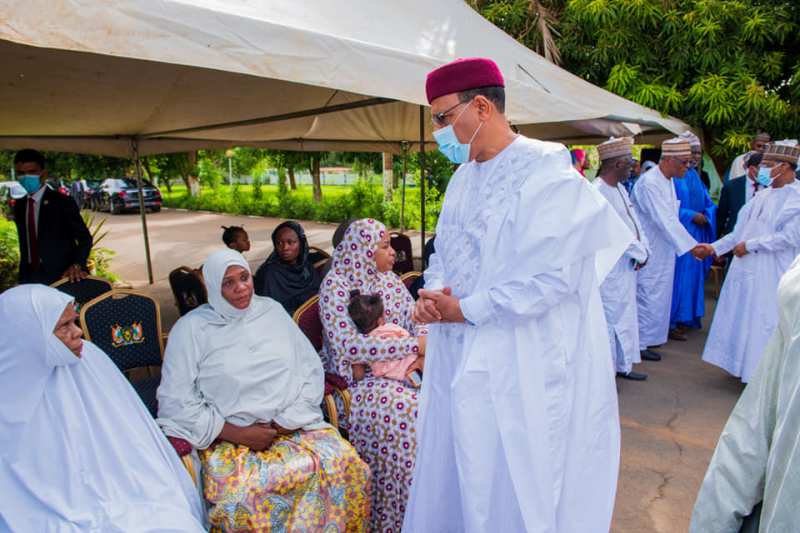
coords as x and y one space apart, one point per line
288 276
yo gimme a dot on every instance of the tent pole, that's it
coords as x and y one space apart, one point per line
422 173
404 147
142 210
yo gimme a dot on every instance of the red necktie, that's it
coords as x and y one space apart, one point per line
33 243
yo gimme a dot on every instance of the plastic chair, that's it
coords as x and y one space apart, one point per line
307 319
405 253
126 325
83 291
187 288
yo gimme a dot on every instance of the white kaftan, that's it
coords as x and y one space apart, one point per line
737 169
618 290
758 455
657 207
747 312
518 428
79 452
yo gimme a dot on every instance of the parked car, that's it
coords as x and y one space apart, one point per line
58 185
91 194
117 195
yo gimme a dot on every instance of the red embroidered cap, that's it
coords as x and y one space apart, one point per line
463 75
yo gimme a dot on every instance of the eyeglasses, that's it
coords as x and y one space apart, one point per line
685 162
439 119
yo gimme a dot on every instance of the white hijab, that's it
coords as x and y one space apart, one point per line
214 272
78 449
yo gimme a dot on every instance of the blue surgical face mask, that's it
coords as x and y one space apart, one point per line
454 150
764 177
30 182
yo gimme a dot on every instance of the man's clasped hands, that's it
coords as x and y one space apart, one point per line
437 306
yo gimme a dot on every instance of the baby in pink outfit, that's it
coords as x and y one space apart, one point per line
367 314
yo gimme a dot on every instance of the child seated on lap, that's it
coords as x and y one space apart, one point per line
366 310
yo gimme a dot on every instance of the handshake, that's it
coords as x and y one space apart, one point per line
437 306
703 250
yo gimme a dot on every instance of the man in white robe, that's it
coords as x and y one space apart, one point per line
764 241
738 167
518 427
757 460
657 207
618 290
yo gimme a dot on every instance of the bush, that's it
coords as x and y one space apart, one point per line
361 201
9 254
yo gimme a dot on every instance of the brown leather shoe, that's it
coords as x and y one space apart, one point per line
676 335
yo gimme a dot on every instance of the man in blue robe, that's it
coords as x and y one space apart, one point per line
698 216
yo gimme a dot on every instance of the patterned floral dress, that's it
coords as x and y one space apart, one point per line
384 411
309 481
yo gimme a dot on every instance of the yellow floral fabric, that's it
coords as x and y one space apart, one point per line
310 481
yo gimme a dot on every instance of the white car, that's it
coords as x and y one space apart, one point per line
13 189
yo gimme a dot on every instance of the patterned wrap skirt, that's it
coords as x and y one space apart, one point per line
383 430
309 481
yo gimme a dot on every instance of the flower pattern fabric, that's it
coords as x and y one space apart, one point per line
310 481
384 412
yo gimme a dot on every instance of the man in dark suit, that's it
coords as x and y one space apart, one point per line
736 193
54 242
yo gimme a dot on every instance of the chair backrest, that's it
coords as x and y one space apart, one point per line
405 253
317 255
126 325
409 278
307 318
188 288
83 291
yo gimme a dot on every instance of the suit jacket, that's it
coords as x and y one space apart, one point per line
63 238
731 200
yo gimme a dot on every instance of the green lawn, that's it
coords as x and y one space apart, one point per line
328 191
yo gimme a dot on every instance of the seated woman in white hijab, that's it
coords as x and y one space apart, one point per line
243 385
78 449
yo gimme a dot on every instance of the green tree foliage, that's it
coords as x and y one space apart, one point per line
531 22
728 67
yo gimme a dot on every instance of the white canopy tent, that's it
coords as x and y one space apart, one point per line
136 77
179 75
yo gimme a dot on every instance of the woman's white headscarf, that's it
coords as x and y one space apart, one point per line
214 272
78 449
28 353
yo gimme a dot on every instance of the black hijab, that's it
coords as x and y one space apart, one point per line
289 285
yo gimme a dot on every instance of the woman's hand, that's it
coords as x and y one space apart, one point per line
422 344
282 430
257 437
419 365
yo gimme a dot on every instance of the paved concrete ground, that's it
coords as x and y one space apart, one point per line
670 423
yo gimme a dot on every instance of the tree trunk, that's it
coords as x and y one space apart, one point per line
148 170
315 176
282 186
388 178
292 181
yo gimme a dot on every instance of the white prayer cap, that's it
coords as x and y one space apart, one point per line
676 147
615 148
691 138
785 151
